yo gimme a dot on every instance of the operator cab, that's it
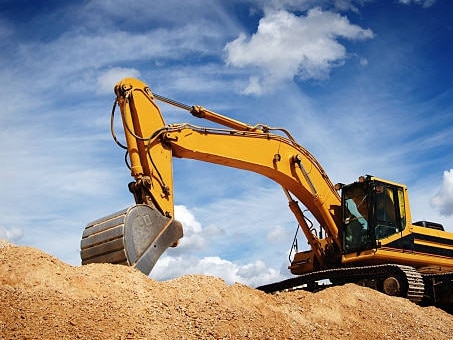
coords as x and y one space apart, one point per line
372 210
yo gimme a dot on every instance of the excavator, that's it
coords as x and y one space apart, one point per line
365 233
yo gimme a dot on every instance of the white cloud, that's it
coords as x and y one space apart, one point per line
109 78
188 257
78 57
183 214
252 274
253 86
194 237
298 5
443 199
287 46
11 234
363 61
424 3
278 233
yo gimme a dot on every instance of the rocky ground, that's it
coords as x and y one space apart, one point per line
44 298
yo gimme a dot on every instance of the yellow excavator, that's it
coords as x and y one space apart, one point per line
365 235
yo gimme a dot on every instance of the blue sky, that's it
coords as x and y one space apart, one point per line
366 86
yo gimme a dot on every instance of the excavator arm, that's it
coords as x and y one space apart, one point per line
151 145
137 236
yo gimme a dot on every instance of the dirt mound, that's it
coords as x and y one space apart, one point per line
42 297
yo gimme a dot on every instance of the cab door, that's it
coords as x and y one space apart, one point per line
388 210
358 232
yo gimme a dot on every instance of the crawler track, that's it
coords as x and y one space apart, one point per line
412 286
439 290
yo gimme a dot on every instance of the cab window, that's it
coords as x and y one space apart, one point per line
402 208
389 210
356 233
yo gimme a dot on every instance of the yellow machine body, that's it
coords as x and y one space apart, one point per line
366 223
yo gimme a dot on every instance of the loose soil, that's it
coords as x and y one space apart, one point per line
44 298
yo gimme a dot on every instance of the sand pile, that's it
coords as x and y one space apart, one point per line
44 298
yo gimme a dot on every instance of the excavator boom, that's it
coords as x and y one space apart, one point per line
151 145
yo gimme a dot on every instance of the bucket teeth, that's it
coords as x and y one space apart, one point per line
136 237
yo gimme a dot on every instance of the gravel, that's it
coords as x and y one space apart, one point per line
44 298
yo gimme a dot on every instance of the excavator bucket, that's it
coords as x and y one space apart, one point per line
136 237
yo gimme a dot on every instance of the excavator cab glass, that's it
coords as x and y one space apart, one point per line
372 211
357 226
389 210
